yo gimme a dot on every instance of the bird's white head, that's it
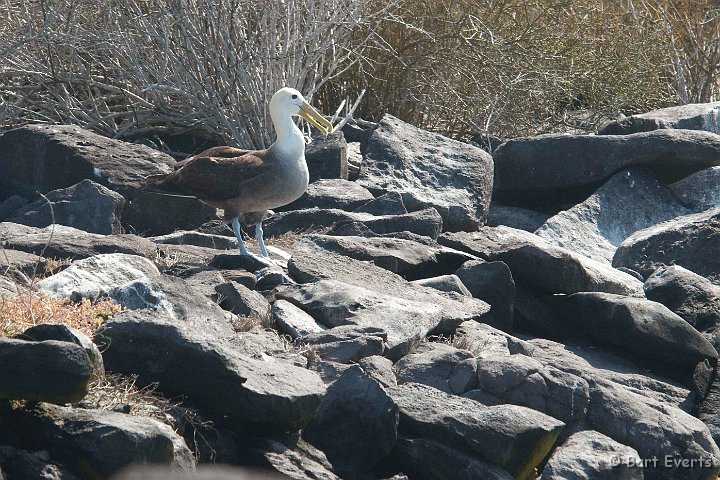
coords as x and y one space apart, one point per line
288 102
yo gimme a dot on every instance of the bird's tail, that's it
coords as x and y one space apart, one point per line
155 185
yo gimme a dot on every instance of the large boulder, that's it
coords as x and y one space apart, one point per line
410 259
438 365
355 425
331 193
47 371
700 190
693 116
100 443
562 167
87 206
641 329
456 178
515 438
631 200
674 444
691 241
493 283
48 157
694 298
61 242
194 357
590 455
94 276
536 263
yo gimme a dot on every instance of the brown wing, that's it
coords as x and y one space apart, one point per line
215 178
219 152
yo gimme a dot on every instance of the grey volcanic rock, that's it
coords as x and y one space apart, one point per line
691 241
183 237
49 371
591 455
100 443
553 168
445 283
17 463
694 298
513 437
545 267
192 358
484 340
454 177
59 241
425 222
379 369
693 116
18 264
11 205
48 157
93 276
390 203
631 200
654 430
493 283
355 425
515 217
347 343
332 193
293 321
522 380
699 190
311 263
444 367
301 462
326 157
640 328
242 301
66 333
412 260
335 303
427 459
87 206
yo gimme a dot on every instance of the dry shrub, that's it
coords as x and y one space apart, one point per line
519 67
17 313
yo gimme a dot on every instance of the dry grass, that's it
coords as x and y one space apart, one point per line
22 311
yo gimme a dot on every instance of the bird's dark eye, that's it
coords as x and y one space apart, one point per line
294 97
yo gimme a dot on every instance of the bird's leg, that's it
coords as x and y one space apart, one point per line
238 235
259 236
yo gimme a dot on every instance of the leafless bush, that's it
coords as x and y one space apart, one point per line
519 67
127 67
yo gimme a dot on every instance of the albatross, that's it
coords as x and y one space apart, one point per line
245 184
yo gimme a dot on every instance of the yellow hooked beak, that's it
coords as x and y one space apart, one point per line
315 118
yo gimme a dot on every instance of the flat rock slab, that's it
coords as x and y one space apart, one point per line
312 263
198 239
515 438
49 371
590 454
536 263
567 167
412 260
96 275
640 329
331 193
100 443
335 303
59 241
691 241
454 177
631 200
188 358
692 297
700 190
693 116
681 443
294 321
425 222
87 206
355 425
15 262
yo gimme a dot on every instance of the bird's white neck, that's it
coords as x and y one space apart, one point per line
289 137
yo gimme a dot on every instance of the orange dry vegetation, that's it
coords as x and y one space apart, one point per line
23 311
